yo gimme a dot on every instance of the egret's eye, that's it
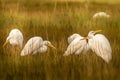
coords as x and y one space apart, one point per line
93 32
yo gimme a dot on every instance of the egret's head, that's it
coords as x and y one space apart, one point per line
94 32
91 34
48 43
85 38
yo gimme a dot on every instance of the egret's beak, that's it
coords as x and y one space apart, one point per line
85 38
97 31
5 43
52 46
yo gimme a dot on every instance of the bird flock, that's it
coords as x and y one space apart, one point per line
78 44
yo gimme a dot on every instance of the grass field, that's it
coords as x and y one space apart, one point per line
55 21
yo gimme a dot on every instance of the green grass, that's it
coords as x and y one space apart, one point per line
55 22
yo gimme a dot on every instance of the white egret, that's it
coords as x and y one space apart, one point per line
72 37
101 14
15 38
100 45
36 45
76 45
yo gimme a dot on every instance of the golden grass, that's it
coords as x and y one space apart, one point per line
56 24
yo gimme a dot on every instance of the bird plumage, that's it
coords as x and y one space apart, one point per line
15 38
98 43
72 37
101 46
76 45
36 45
101 14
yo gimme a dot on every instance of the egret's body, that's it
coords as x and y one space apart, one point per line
15 38
101 14
100 45
35 45
43 49
76 45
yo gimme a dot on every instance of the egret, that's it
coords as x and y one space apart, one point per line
99 44
36 45
76 45
15 38
101 14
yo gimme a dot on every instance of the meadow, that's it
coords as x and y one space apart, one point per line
55 21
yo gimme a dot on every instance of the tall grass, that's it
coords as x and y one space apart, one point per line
55 22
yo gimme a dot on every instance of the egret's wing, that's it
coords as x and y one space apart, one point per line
42 49
101 46
84 47
16 36
20 39
72 37
32 45
74 46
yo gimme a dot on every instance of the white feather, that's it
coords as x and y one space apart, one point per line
15 38
72 37
101 14
36 45
32 45
76 46
101 46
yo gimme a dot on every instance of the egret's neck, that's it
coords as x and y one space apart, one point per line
44 42
43 49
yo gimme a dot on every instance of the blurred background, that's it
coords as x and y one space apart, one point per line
55 20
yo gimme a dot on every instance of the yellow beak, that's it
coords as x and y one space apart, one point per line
97 31
52 46
85 38
5 43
